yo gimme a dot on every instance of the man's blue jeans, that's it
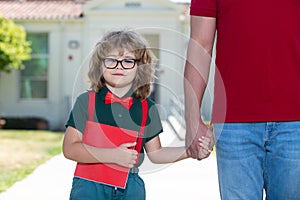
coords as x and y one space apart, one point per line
256 156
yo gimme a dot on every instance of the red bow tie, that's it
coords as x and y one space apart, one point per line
111 98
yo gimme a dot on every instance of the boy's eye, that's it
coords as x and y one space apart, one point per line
129 61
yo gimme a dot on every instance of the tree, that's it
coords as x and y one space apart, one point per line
14 48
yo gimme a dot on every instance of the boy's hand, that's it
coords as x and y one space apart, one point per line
206 143
125 155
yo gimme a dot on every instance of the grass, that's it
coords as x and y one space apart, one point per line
21 151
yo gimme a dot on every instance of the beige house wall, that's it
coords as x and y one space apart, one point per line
160 18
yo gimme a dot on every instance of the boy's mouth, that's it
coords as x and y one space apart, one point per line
118 74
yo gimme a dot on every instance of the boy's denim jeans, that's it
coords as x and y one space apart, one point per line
256 156
88 190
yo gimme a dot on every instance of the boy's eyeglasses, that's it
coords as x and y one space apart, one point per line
112 63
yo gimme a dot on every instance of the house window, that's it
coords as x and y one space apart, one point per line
133 4
34 78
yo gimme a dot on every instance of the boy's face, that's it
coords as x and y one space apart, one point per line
119 77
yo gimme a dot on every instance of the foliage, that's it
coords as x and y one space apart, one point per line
13 45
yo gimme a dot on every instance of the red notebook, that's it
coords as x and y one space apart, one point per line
105 136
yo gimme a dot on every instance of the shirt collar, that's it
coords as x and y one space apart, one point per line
104 90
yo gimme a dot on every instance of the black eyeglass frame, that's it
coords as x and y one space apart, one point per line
121 62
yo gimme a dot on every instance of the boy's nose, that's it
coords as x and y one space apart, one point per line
119 65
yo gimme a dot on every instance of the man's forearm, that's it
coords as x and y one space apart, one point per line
195 81
196 77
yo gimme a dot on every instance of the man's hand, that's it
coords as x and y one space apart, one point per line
205 136
192 146
206 144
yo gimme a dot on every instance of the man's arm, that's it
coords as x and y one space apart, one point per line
196 75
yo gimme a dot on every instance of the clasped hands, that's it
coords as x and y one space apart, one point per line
200 145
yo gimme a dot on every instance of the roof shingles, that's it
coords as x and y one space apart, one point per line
47 10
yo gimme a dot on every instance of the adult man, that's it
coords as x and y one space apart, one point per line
256 109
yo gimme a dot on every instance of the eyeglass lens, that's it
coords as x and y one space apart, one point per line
112 63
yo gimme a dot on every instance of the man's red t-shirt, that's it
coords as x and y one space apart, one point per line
258 58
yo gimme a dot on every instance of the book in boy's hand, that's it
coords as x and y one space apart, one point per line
105 136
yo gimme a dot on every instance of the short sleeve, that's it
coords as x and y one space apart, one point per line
79 113
154 125
207 8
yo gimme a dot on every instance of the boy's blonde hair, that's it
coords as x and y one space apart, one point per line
124 40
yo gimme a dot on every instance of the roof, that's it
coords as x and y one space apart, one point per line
41 9
49 9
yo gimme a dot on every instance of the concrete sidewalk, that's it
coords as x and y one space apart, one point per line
51 180
189 179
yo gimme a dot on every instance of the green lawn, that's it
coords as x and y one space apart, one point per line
22 151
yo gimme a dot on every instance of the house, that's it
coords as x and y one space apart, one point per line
63 32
